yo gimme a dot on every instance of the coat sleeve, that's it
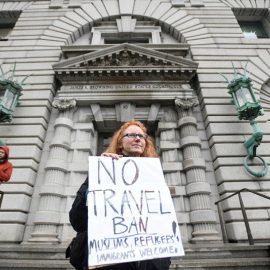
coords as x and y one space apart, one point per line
6 171
78 212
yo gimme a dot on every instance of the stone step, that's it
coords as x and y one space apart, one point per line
28 264
212 257
226 263
216 251
213 264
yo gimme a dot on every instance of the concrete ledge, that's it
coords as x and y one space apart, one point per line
191 163
60 141
56 164
52 190
168 145
187 120
47 217
64 122
198 188
172 166
190 140
165 126
202 216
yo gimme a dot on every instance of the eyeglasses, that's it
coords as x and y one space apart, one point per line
135 135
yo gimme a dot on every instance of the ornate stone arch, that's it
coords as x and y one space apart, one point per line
175 21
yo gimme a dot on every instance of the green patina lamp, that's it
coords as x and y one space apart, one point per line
10 91
248 108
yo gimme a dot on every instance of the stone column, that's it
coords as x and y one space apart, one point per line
48 216
172 167
202 217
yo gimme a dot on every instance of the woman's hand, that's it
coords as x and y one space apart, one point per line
112 155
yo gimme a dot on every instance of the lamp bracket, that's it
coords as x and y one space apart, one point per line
251 145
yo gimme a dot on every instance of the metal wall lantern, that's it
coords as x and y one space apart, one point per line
248 108
10 91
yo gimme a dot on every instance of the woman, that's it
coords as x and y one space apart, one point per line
131 140
5 166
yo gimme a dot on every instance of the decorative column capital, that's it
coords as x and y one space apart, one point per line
186 103
64 104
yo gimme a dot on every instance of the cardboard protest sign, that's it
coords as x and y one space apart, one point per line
130 212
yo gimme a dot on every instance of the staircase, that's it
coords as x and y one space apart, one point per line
199 256
224 256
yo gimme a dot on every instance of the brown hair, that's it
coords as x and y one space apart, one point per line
116 143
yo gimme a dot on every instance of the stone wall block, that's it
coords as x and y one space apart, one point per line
190 140
237 230
52 190
64 122
198 188
91 10
178 3
162 126
152 7
140 7
183 218
167 145
202 216
187 120
191 163
47 217
81 167
253 215
25 163
112 7
171 166
250 201
16 202
23 130
60 142
229 187
126 6
19 151
84 146
56 164
232 129
162 9
237 173
13 217
78 20
176 17
11 233
17 188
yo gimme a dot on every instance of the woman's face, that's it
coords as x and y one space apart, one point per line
133 147
2 154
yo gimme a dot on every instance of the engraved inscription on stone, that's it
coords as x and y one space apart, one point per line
124 87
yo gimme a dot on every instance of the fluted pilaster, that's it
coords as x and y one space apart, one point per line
48 216
202 217
171 163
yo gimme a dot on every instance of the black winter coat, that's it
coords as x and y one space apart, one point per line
78 220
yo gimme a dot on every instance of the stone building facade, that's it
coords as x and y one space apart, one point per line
99 63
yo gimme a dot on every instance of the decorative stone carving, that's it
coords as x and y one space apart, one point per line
186 103
64 104
125 59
